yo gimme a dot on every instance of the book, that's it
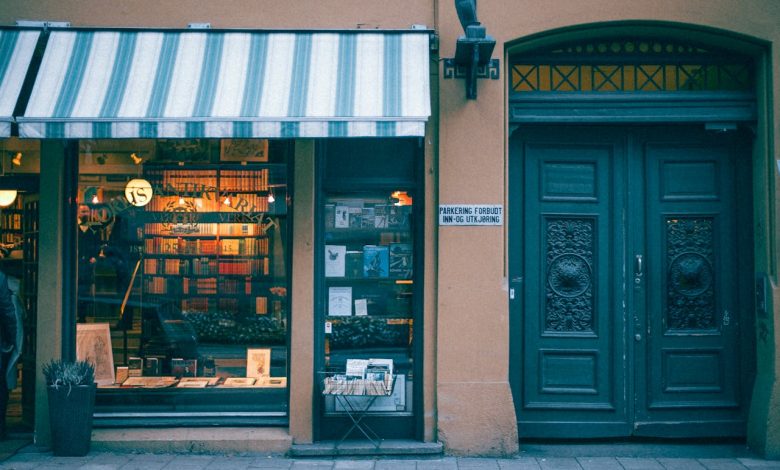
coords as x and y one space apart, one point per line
401 260
398 216
354 264
230 246
335 260
361 307
340 301
355 217
184 367
135 367
193 382
341 217
239 382
376 261
272 382
356 368
380 216
367 217
330 215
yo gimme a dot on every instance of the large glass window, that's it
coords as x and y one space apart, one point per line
369 287
183 277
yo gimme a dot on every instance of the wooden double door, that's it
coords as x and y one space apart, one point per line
631 267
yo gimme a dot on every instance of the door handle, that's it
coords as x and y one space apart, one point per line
638 265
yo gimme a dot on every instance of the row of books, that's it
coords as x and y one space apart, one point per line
222 229
190 180
203 266
249 267
244 180
367 216
343 385
201 382
393 260
225 246
362 377
11 220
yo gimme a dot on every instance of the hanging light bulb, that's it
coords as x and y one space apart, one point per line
181 201
17 160
226 201
7 197
95 199
271 198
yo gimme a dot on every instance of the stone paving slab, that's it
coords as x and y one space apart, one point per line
36 460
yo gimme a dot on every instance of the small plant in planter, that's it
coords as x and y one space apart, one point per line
71 390
61 373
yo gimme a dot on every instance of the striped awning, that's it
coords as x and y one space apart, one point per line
175 84
16 51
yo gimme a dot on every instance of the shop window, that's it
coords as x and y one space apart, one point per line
369 288
183 275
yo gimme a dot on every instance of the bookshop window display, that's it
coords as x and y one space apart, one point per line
370 285
183 252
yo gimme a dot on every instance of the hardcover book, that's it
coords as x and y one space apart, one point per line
401 260
376 261
354 264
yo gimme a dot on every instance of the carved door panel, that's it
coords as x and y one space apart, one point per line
629 307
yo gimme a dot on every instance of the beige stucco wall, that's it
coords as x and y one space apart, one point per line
270 14
50 300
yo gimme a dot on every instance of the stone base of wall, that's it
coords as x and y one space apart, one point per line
477 419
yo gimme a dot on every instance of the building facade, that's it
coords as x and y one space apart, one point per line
302 161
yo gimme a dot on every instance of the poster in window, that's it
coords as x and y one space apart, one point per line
258 362
93 344
340 301
243 150
335 260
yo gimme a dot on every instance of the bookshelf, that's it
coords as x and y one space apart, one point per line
11 223
368 276
209 238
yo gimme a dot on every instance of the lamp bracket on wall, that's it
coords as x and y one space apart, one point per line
472 51
490 70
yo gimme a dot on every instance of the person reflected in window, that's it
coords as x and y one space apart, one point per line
8 341
88 248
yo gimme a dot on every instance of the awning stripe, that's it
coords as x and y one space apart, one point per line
345 94
300 76
162 79
229 84
255 78
16 51
392 75
120 74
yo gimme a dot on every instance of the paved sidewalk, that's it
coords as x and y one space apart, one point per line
31 458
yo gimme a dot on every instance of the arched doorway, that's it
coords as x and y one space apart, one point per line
630 238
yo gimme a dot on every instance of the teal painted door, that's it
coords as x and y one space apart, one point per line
626 282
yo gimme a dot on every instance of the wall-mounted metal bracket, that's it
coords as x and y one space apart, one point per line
490 70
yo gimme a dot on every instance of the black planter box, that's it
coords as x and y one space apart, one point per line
70 416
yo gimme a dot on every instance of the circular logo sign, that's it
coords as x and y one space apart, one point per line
138 192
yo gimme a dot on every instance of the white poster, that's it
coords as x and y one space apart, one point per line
335 256
340 301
